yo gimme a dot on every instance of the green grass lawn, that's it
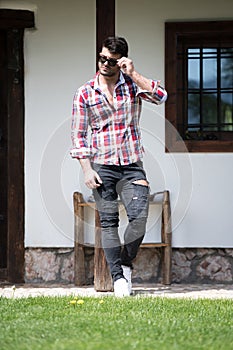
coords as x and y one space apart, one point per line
114 324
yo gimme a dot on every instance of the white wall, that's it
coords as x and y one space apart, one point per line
200 184
59 57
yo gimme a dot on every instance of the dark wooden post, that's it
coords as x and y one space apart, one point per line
102 278
105 23
12 24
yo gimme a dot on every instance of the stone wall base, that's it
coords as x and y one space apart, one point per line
199 265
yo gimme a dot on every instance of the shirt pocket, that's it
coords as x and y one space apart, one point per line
98 112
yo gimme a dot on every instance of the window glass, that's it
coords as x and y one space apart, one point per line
209 68
226 112
227 68
193 109
193 68
209 110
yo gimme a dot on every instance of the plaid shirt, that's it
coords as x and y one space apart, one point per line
115 133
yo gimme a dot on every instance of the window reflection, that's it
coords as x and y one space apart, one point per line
193 109
210 73
209 109
193 74
227 68
226 112
210 89
209 68
193 68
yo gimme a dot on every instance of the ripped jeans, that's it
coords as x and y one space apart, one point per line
119 180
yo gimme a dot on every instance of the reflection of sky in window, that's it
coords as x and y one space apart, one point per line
194 73
210 68
194 68
227 98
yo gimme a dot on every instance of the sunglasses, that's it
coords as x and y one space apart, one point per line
111 61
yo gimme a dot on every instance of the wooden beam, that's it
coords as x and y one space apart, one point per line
12 24
105 22
16 19
15 109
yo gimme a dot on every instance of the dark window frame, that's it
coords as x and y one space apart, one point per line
176 32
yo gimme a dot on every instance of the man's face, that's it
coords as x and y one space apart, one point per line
108 63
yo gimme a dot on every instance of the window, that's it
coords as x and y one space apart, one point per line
199 81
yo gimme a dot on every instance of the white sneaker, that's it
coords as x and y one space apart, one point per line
121 288
127 272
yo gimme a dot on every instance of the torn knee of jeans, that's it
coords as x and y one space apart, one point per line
138 222
141 182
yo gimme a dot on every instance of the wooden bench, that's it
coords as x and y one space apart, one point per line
102 278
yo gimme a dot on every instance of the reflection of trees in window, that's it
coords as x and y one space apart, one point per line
227 67
209 92
227 86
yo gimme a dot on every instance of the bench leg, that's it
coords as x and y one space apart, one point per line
79 258
166 238
102 277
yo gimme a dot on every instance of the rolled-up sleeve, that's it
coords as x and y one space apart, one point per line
157 96
79 129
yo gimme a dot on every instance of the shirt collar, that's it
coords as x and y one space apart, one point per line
120 81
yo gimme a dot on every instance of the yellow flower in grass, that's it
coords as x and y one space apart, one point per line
101 301
76 301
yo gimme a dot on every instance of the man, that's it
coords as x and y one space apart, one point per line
110 105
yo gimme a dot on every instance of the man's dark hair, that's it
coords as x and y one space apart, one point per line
116 44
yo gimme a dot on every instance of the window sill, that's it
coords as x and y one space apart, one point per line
199 146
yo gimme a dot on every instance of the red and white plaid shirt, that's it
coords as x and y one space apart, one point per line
115 136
